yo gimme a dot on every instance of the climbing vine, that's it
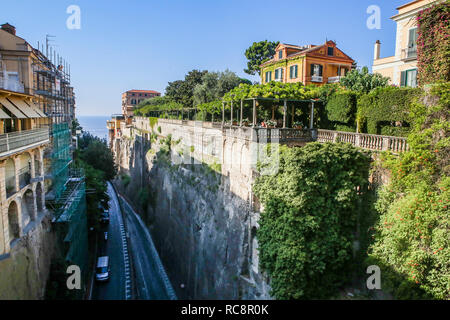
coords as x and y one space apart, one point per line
412 246
309 217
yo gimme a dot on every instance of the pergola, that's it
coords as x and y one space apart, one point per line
254 114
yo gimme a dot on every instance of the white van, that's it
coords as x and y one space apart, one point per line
103 271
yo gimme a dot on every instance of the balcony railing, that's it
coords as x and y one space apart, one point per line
316 79
409 54
334 79
366 141
11 85
10 142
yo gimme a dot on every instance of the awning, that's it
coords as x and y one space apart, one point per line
3 115
8 105
30 113
36 109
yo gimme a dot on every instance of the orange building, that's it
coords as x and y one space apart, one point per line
307 64
132 98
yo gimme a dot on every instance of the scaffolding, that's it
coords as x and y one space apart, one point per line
51 85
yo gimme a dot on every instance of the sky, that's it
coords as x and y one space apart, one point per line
137 44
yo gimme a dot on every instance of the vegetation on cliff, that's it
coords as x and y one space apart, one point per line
310 213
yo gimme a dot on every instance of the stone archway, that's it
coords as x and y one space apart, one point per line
39 198
13 221
27 206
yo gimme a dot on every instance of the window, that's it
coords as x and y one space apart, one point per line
280 54
145 94
268 76
412 43
330 51
316 70
279 74
140 94
132 94
133 101
409 78
293 71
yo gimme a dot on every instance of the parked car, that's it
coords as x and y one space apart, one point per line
103 270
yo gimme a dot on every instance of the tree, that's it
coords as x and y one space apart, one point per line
215 84
363 81
259 53
182 91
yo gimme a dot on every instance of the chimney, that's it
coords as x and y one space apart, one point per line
377 50
9 28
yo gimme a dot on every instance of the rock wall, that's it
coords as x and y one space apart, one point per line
202 222
24 271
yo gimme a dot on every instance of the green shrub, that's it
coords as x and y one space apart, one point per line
388 106
341 110
412 246
310 209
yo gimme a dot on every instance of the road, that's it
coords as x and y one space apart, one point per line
119 285
150 278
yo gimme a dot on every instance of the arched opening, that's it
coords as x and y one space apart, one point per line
10 177
27 205
13 221
39 200
25 170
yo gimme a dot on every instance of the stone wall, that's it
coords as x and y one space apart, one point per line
24 270
198 205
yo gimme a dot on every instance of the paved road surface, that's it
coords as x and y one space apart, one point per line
119 285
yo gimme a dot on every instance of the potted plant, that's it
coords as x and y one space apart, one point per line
245 122
270 124
298 125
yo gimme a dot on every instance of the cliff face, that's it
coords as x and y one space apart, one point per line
25 271
203 230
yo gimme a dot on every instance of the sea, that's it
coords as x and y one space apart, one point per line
95 125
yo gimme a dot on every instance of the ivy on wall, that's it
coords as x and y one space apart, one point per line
412 243
386 110
309 218
433 43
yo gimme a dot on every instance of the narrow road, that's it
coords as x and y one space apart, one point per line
119 285
150 277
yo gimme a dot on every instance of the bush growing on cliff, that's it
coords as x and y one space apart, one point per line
412 244
310 212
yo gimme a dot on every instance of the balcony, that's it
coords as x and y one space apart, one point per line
409 54
316 79
20 140
11 85
334 79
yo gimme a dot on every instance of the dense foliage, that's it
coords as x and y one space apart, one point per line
182 91
259 53
274 90
215 85
412 243
309 217
386 110
97 160
362 81
341 110
433 43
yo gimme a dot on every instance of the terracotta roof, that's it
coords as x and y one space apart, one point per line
143 91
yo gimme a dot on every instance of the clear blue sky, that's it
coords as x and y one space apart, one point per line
135 44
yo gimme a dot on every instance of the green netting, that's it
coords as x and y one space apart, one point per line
61 157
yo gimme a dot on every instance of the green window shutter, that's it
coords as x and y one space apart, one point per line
403 79
281 71
320 70
312 69
296 71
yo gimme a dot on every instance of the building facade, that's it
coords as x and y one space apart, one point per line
309 64
132 98
402 67
37 182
